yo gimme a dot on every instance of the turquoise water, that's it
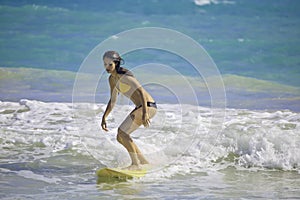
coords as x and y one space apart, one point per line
51 148
248 38
257 40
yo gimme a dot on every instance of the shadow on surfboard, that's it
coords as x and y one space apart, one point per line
114 174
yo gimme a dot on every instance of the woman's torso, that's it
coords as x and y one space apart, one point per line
130 90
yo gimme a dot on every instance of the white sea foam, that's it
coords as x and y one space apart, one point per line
41 8
208 2
181 138
31 175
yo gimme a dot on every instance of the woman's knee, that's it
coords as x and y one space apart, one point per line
122 136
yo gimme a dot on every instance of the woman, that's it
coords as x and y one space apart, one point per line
122 80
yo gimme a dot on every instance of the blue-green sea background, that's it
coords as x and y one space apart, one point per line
50 147
246 39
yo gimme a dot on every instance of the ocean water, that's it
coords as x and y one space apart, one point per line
51 144
52 150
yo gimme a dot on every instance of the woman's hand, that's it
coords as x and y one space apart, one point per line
103 125
146 119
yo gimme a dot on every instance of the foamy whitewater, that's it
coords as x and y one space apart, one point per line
55 148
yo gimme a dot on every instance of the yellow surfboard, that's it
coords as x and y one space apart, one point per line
118 174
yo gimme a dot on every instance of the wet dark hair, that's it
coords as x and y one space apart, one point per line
118 62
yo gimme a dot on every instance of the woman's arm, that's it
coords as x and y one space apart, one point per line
145 117
111 103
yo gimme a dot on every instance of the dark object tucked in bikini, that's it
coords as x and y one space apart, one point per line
149 104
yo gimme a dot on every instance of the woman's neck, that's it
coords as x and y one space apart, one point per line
114 73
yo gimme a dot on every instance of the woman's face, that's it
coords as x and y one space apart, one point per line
109 65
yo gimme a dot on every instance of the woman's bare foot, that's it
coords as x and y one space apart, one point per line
142 159
133 167
144 162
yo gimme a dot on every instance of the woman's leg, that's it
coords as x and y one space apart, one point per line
130 124
126 128
125 139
